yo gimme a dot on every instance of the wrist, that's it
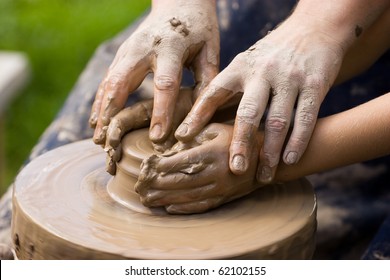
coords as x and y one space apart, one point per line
343 21
207 4
314 29
194 12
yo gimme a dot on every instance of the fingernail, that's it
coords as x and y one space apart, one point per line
265 175
156 132
291 157
238 163
182 130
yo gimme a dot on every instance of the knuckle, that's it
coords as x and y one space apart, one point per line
272 158
244 137
294 74
241 57
244 132
307 115
281 91
298 143
114 82
314 83
277 124
210 91
270 65
166 83
210 96
137 40
306 118
241 141
248 111
194 119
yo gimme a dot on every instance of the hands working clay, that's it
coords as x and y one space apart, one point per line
174 35
194 176
139 116
296 63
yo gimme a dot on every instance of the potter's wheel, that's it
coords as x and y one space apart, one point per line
63 210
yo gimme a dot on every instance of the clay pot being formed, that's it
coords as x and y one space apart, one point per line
65 206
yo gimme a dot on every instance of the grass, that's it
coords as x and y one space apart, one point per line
59 36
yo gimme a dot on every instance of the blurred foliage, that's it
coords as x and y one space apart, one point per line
59 36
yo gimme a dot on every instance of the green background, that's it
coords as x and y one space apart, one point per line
58 36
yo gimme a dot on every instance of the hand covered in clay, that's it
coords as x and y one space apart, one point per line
176 33
194 177
138 116
294 64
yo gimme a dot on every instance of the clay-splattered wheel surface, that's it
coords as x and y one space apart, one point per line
62 210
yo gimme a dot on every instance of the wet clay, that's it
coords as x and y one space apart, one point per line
65 206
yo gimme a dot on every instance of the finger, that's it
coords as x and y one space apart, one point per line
218 92
249 114
178 181
195 207
205 68
95 111
113 156
276 128
185 101
182 170
304 123
110 165
134 117
191 161
157 198
122 78
167 79
174 181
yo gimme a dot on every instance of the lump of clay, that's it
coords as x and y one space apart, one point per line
195 177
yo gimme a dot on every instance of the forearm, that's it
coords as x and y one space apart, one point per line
342 20
356 135
367 49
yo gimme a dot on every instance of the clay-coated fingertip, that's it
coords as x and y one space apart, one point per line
183 133
92 120
156 133
98 140
92 124
99 137
291 158
238 164
111 169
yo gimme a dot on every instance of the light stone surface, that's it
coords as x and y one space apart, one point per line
14 74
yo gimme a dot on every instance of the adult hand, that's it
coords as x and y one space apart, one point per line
138 116
176 33
294 64
194 177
